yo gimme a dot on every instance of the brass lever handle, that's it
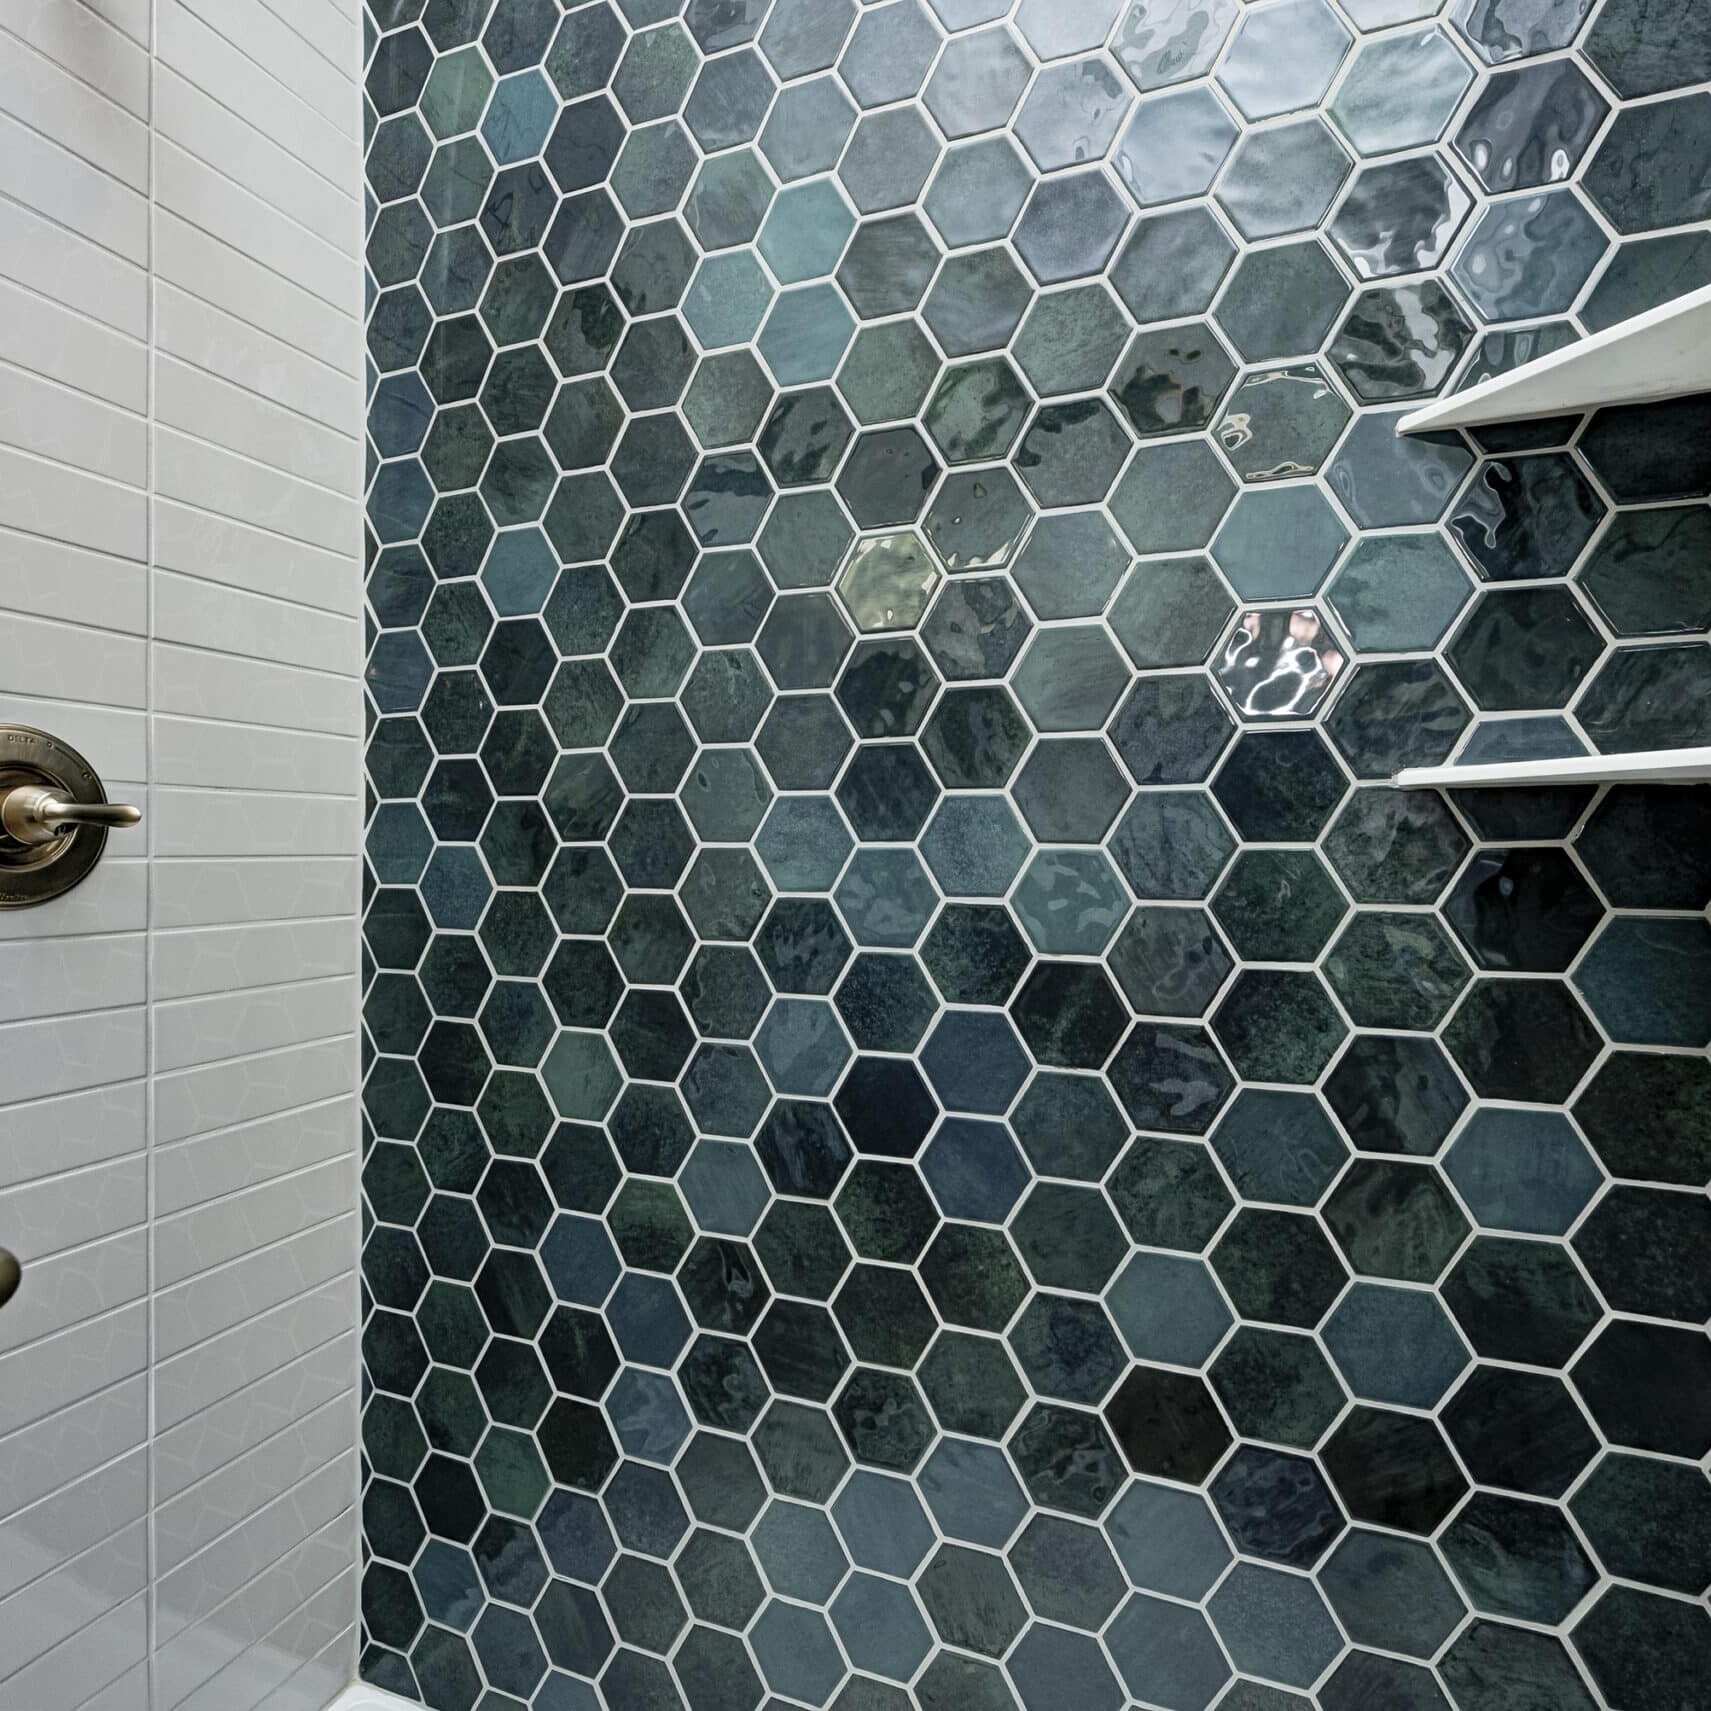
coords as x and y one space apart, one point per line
33 814
11 1274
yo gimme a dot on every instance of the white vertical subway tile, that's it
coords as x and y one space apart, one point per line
62 976
207 823
216 1096
58 182
44 1137
41 1378
231 1427
107 1649
263 37
207 59
49 578
68 266
83 1513
67 1288
77 1206
87 41
189 893
205 1374
72 111
201 960
49 1454
206 336
181 471
38 497
251 691
193 1519
209 1167
42 336
37 1617
64 1054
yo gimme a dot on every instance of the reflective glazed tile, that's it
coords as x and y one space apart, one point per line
1160 42
1647 171
1400 217
1390 480
888 583
1279 664
1504 30
1072 113
1527 517
1283 57
1400 342
1400 91
885 902
1174 147
1531 126
1281 422
1528 256
1283 180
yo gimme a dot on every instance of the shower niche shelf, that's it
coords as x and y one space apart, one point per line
1656 766
1664 353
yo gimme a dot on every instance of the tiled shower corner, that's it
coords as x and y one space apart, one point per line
938 1135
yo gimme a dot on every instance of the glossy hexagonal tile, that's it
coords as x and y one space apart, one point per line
963 1095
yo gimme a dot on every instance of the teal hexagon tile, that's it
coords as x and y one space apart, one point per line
1528 256
1008 583
1283 56
1281 422
1387 480
1399 593
727 299
1400 91
1644 979
1069 902
1648 574
806 334
1175 42
1638 58
1174 146
1395 1345
1280 664
1283 179
1522 1170
805 231
1530 126
1279 543
1400 216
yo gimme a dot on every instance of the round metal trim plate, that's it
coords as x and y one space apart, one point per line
35 874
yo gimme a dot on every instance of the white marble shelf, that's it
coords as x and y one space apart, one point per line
1658 766
1664 353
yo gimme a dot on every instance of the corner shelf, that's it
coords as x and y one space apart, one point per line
1664 353
1659 766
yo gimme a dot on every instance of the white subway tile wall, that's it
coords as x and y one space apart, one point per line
180 598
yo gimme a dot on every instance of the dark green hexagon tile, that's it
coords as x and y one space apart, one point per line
938 1134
